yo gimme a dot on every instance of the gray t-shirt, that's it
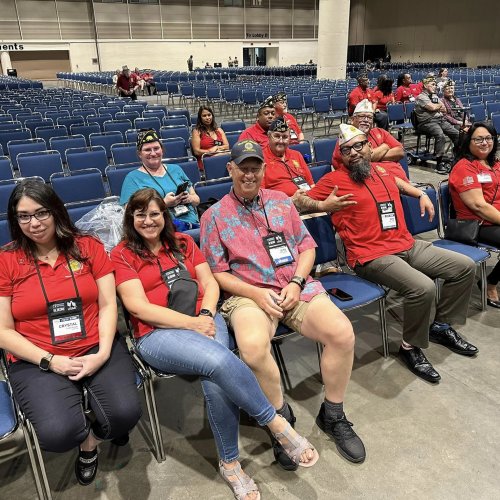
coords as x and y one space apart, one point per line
423 115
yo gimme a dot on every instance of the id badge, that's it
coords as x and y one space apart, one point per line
293 134
278 249
217 143
180 210
301 183
387 215
66 320
170 275
484 177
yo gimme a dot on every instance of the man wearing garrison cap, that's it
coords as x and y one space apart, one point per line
281 109
286 169
368 215
430 121
258 131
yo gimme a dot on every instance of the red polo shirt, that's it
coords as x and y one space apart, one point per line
130 266
376 137
255 133
19 280
280 171
295 130
403 94
357 95
467 175
359 225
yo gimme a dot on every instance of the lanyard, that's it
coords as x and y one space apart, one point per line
289 170
175 262
41 281
251 212
370 191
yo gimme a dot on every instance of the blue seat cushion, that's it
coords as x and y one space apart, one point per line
476 254
8 420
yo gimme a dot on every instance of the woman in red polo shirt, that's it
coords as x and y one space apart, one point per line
474 188
166 285
58 323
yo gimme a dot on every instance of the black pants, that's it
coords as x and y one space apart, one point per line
54 404
132 96
491 236
381 121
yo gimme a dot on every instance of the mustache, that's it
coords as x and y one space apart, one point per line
360 170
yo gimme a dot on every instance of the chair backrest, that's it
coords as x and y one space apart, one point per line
6 171
80 185
174 147
116 175
321 229
85 131
233 125
411 208
232 138
118 126
108 110
175 120
76 210
404 165
98 120
39 163
338 103
215 166
154 113
127 115
5 238
24 146
11 125
13 135
61 144
444 202
318 171
492 107
495 119
191 169
152 122
67 121
87 157
323 149
171 131
213 189
124 153
396 113
106 139
304 148
478 112
46 133
321 104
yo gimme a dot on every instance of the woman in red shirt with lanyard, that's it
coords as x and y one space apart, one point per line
58 323
207 136
474 188
168 288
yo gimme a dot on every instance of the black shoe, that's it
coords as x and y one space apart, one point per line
86 466
443 168
120 440
453 341
280 456
491 302
417 363
348 442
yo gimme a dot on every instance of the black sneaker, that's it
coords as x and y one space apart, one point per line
348 442
280 456
120 440
443 168
86 467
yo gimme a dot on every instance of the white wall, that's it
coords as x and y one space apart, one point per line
81 55
428 30
298 52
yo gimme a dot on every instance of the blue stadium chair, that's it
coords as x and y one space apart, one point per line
108 110
87 157
12 125
39 163
6 188
54 115
98 120
318 171
215 189
24 146
175 120
33 124
61 144
399 119
13 135
154 113
118 126
84 113
148 123
233 126
106 139
232 138
6 170
124 153
67 121
127 115
85 131
131 136
76 210
171 131
477 113
116 175
46 133
323 149
79 185
191 170
4 239
174 147
492 107
304 148
215 166
495 120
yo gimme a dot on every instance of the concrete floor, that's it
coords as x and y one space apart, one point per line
423 441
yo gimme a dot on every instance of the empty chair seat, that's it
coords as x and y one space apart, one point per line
174 148
106 139
124 153
13 135
24 146
79 185
6 171
40 163
46 133
116 175
215 166
61 144
87 157
85 131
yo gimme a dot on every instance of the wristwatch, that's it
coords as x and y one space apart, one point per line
205 312
299 280
45 362
423 193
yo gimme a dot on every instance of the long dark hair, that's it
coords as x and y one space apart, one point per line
464 151
200 127
400 79
45 196
385 85
140 200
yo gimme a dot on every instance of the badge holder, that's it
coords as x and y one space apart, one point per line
387 215
278 249
180 210
301 183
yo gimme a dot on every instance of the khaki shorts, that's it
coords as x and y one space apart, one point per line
293 318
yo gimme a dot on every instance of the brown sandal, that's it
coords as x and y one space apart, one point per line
242 484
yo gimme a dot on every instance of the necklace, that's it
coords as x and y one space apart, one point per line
48 254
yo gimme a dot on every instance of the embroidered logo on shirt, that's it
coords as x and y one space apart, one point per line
75 265
296 163
468 180
381 169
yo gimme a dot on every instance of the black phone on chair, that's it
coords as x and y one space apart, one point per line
339 294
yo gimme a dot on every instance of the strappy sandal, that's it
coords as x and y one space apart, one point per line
295 446
242 484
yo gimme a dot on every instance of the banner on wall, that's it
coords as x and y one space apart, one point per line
11 46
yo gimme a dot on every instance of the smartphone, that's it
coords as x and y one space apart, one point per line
181 188
339 294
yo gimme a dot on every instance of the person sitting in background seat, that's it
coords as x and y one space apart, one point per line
280 109
258 131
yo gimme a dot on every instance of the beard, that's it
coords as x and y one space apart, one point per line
360 171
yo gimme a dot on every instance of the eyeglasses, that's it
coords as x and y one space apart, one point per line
40 215
364 117
141 216
279 137
250 170
480 140
346 150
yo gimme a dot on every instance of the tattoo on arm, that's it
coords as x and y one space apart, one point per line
303 202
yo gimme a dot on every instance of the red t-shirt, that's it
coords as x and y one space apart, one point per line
130 266
357 95
468 175
19 280
403 94
382 99
376 137
359 225
126 83
255 133
279 173
207 142
295 130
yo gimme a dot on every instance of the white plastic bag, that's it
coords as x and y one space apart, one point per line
104 221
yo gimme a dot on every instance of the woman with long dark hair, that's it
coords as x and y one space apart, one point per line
165 283
207 136
58 324
474 188
383 92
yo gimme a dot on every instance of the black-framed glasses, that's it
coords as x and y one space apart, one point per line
358 146
480 140
40 215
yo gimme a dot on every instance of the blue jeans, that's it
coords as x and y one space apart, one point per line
227 382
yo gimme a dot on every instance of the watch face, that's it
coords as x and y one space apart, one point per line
44 364
205 312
